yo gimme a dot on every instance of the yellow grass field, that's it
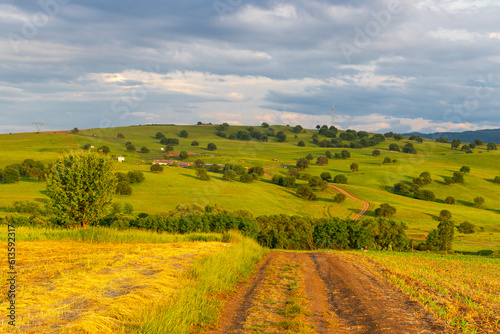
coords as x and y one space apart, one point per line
68 287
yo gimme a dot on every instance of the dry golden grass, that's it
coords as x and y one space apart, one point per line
75 287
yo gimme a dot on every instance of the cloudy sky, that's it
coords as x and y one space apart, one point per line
422 65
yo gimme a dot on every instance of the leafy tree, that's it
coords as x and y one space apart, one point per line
75 131
211 147
130 147
309 157
195 143
444 237
246 178
81 186
280 136
229 175
301 143
302 163
123 188
466 228
418 181
339 198
426 177
376 153
478 142
258 170
496 179
408 148
144 149
264 125
202 174
198 163
444 214
450 200
105 149
425 195
156 168
326 176
183 134
169 148
442 140
170 141
394 147
397 136
321 161
455 143
345 154
479 201
449 181
87 146
306 192
465 169
491 146
315 181
401 188
387 160
458 177
121 177
297 129
10 174
160 136
340 179
135 176
214 168
183 155
120 136
385 210
128 209
354 167
328 155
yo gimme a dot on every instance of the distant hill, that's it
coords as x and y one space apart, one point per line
490 135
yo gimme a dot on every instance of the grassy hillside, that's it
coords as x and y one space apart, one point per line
373 182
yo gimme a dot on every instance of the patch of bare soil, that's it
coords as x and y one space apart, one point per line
321 292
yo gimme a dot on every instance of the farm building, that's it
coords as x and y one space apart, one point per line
121 158
182 164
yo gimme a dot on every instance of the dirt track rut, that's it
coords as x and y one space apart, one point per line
336 293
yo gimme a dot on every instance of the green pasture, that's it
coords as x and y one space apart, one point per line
373 182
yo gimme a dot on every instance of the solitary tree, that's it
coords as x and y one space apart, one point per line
496 179
120 136
80 186
354 167
491 146
195 143
183 155
156 168
301 143
387 160
339 198
478 142
465 169
183 134
10 174
159 135
376 153
479 201
306 192
144 149
444 237
450 200
302 163
211 147
345 154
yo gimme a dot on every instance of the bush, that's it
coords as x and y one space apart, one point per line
246 178
183 134
159 135
183 155
326 176
496 179
105 149
450 200
301 143
425 195
314 181
340 179
466 228
306 193
156 168
123 188
385 210
195 143
211 147
387 160
394 147
465 169
144 149
339 198
345 154
130 147
135 176
479 201
458 177
376 153
10 174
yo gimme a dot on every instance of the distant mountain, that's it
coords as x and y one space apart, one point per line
491 135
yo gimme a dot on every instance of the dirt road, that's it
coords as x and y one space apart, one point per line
322 292
366 205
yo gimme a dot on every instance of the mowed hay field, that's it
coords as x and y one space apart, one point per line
70 286
373 182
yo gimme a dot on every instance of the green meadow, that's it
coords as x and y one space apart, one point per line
373 182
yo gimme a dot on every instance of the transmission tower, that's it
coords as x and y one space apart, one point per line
38 125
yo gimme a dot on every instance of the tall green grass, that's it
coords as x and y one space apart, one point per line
197 305
105 234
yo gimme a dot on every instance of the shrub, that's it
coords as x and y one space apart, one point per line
130 147
465 169
466 228
301 143
306 193
401 188
449 181
321 161
160 136
10 174
195 143
479 201
105 149
458 177
340 179
394 147
144 149
339 198
496 179
345 154
376 153
354 167
135 176
156 168
183 134
315 181
123 188
385 210
444 214
450 200
387 160
183 155
326 176
211 147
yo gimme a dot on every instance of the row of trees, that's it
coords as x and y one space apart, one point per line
29 168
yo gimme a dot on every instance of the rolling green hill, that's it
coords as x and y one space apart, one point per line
373 182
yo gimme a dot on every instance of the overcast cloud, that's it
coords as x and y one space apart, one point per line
423 65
